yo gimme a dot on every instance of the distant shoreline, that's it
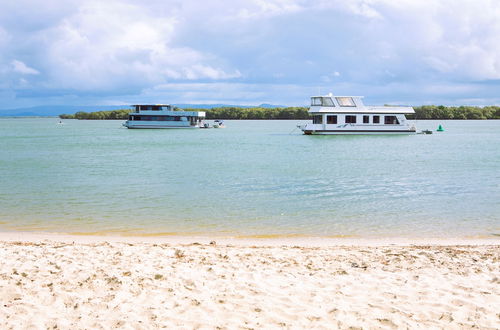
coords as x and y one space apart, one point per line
58 117
426 112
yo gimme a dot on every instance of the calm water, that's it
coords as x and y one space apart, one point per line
253 178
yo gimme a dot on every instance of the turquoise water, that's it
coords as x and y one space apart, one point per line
252 178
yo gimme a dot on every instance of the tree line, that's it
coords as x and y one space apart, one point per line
110 114
421 112
461 112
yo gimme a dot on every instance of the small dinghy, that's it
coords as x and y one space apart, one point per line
218 124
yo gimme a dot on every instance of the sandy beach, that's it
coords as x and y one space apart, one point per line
98 282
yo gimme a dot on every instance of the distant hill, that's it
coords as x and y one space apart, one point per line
56 110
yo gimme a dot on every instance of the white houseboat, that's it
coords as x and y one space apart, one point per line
163 116
348 115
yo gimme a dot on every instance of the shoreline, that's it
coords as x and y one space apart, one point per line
303 241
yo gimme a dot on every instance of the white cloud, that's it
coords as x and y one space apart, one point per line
199 71
253 9
20 67
127 47
361 8
229 93
4 37
115 44
457 39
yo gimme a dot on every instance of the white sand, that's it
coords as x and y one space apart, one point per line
107 283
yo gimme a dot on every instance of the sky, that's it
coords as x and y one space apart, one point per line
248 52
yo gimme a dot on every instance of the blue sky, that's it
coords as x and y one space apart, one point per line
414 52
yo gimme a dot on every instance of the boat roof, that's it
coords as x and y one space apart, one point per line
356 106
150 105
331 95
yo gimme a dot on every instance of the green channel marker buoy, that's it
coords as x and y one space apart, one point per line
440 129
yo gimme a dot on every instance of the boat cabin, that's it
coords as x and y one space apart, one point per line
348 115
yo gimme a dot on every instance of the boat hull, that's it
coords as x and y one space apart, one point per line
357 132
158 127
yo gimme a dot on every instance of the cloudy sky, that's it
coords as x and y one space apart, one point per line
77 52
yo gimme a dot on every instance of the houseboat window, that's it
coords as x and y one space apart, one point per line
391 120
136 118
315 100
376 119
346 101
327 102
350 119
318 119
322 101
366 119
331 119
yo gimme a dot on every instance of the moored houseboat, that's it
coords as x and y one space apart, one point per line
348 115
163 116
